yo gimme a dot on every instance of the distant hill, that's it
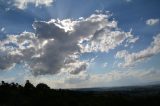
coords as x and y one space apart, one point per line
151 86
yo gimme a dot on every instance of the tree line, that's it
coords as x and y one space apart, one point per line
13 94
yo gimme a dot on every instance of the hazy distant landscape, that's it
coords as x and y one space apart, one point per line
16 95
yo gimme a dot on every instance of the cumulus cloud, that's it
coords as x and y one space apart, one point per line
76 67
22 4
131 59
152 22
105 37
57 44
12 49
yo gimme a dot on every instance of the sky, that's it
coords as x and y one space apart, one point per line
80 43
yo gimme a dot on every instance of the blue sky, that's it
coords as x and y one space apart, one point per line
38 38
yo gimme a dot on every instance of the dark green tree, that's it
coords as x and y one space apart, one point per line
42 86
28 85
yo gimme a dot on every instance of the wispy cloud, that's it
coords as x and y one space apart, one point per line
131 59
152 22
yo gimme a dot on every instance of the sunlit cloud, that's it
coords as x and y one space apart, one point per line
22 4
58 44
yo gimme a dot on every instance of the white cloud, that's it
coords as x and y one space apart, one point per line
110 79
76 67
152 22
131 59
11 79
106 37
105 64
84 80
124 78
22 4
2 29
57 45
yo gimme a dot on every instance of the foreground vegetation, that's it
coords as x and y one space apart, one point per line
16 95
